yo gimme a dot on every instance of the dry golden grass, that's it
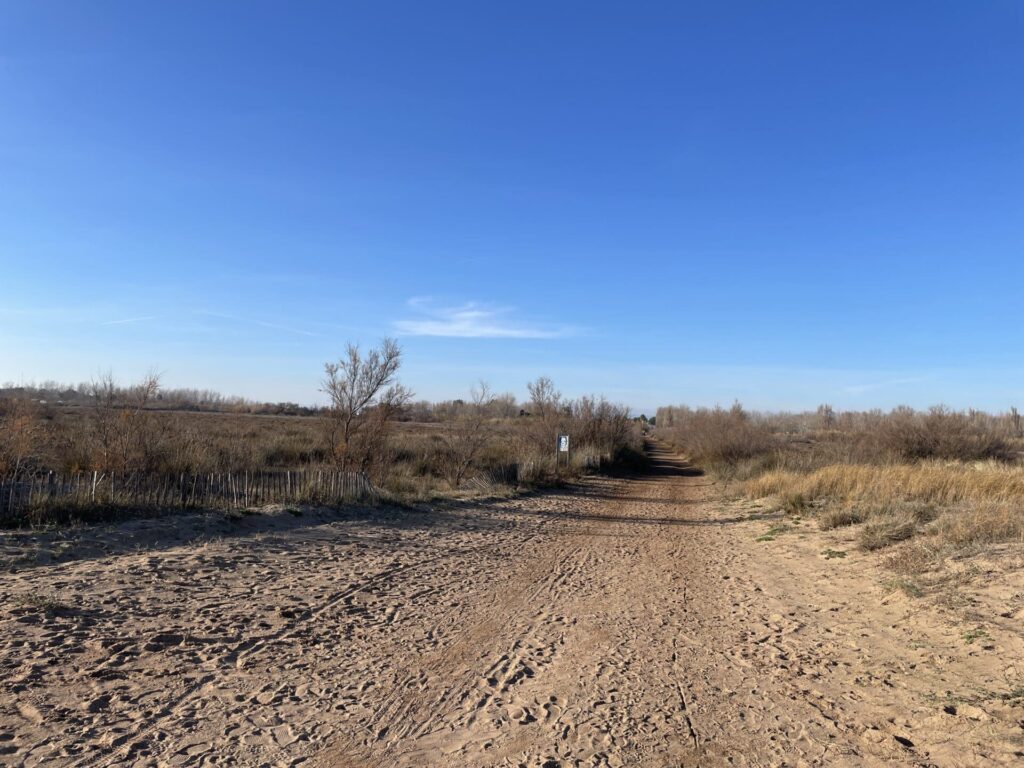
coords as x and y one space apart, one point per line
950 506
943 484
981 524
885 531
841 516
914 557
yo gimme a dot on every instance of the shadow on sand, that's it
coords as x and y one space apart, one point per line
366 523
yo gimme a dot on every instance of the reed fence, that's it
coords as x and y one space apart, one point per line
21 496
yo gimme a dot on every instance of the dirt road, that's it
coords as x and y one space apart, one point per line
624 622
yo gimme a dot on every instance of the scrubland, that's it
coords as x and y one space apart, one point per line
485 443
925 486
637 619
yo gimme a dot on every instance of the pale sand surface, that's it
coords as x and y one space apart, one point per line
624 622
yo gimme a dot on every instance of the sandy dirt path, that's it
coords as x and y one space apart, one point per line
624 622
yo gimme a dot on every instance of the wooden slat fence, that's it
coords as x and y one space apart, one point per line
22 494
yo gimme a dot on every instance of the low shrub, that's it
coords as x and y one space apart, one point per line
842 516
914 557
885 531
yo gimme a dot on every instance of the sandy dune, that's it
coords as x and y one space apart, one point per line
626 622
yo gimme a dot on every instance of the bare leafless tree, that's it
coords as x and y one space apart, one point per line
545 399
504 406
466 434
826 416
121 427
20 434
365 396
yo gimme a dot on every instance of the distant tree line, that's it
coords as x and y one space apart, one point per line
54 393
729 437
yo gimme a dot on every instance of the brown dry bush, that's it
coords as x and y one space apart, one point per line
465 435
718 439
885 531
939 433
914 557
600 433
830 518
123 435
748 443
21 430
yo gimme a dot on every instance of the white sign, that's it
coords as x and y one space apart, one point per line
563 443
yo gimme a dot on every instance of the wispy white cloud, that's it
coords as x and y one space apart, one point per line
254 321
127 320
472 320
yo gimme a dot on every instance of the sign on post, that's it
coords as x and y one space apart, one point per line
562 446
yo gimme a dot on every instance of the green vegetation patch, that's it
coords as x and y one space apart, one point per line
976 634
906 586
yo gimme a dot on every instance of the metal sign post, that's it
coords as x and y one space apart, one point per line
562 446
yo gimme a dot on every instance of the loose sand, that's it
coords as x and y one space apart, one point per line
624 622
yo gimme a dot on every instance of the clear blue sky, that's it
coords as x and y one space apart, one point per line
785 203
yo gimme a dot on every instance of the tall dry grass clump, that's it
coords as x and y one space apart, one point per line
989 523
945 483
954 505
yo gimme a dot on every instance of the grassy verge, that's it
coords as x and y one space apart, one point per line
918 514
